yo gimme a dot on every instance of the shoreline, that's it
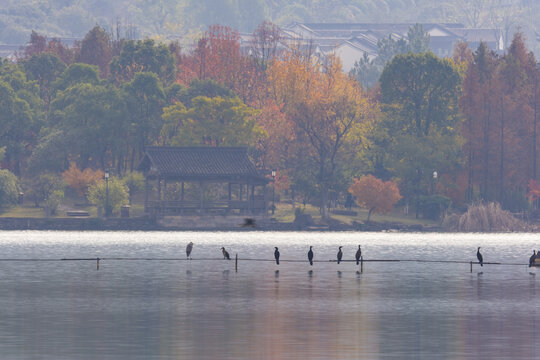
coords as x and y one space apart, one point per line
152 224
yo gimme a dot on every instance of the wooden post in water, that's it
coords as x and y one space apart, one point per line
471 266
361 264
97 264
236 263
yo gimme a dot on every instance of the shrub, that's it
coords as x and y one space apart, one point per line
81 180
9 188
374 194
118 194
54 200
44 186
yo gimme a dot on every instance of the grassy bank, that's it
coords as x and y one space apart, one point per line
283 213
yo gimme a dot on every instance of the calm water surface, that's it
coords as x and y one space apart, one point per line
205 310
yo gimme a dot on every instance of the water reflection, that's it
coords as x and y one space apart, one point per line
141 310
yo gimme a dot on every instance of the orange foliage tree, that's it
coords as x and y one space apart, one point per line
500 104
81 180
374 194
326 108
217 56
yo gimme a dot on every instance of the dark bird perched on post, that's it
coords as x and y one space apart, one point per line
532 258
339 255
189 247
225 254
358 254
310 255
276 255
480 257
248 222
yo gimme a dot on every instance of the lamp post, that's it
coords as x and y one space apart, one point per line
434 182
107 207
419 180
273 191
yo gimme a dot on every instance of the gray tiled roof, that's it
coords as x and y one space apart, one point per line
201 163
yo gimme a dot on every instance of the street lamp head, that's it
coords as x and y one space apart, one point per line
273 173
435 175
106 175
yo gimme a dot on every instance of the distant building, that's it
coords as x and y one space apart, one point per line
351 41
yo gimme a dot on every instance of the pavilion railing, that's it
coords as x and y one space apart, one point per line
167 207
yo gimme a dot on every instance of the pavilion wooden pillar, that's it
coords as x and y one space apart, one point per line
252 198
202 201
146 187
248 197
229 198
265 200
164 190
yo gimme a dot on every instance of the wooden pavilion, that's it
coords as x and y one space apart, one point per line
174 176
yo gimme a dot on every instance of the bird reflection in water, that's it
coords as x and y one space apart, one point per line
276 274
310 273
225 274
339 274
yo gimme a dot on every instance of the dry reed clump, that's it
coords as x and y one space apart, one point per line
485 218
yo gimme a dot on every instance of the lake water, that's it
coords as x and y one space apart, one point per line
203 309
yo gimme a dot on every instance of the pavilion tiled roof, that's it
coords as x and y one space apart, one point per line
199 163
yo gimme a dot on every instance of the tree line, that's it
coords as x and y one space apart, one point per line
447 130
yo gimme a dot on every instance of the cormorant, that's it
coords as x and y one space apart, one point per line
358 254
189 247
310 255
532 258
225 254
339 255
480 257
276 255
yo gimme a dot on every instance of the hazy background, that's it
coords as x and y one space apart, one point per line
184 19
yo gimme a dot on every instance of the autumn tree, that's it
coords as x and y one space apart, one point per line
477 104
264 47
374 194
325 107
96 49
274 149
81 180
499 101
217 56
